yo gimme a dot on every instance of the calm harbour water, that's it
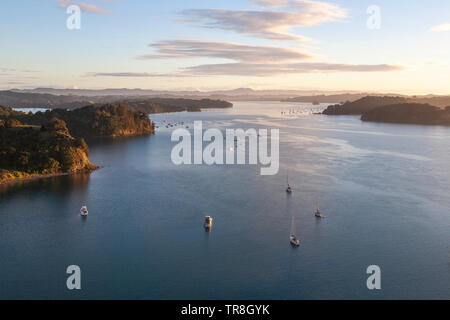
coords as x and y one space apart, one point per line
383 188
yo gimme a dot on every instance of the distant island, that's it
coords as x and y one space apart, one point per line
142 103
53 142
409 113
392 110
362 105
322 98
167 105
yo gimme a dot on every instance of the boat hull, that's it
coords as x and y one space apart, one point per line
294 241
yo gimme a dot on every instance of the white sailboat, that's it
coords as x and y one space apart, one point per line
288 188
292 237
318 213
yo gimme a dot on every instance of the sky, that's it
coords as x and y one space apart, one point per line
400 46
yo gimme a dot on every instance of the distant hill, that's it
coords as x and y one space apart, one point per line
437 101
165 105
37 100
362 105
146 104
409 113
102 96
239 94
333 98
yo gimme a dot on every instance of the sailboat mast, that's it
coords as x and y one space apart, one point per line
292 225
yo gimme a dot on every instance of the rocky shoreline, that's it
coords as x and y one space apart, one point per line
47 176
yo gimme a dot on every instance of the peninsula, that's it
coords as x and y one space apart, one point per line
53 142
30 151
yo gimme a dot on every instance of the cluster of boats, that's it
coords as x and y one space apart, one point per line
293 239
168 124
318 214
208 223
297 111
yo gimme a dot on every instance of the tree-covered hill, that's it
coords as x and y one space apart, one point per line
362 105
28 151
110 120
52 142
409 113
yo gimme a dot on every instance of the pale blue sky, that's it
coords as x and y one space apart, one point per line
403 56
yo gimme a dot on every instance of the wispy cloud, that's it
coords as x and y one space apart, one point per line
274 20
3 69
441 27
258 70
262 70
84 6
129 74
226 50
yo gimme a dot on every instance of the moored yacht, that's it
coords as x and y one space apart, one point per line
288 188
292 237
318 213
84 211
294 241
208 222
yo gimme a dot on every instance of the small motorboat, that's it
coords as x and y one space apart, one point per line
84 211
208 222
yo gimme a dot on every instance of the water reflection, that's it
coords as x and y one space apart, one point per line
380 208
